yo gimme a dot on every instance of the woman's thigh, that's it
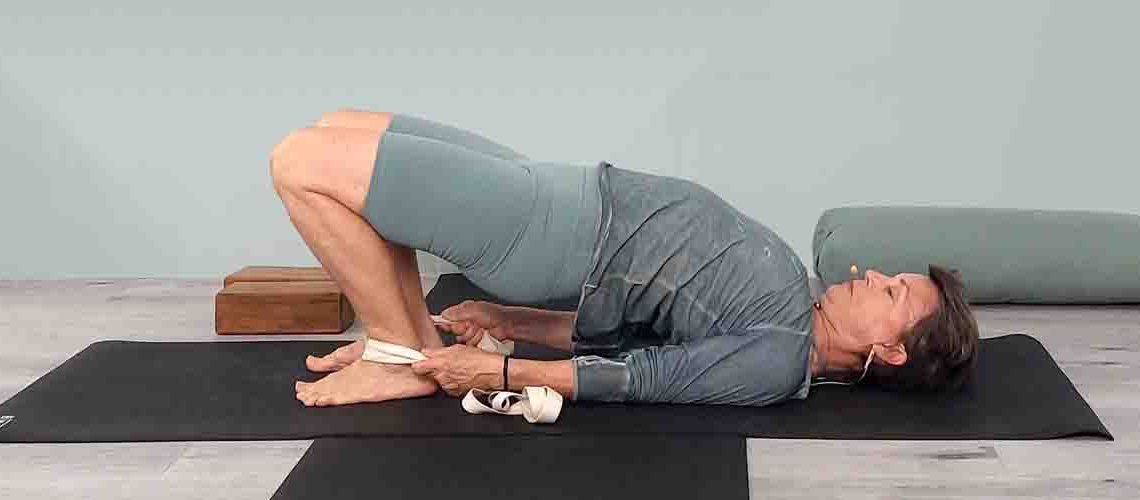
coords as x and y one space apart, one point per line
446 200
499 220
404 123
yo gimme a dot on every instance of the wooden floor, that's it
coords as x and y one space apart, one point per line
43 323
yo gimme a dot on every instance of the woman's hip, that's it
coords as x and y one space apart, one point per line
522 230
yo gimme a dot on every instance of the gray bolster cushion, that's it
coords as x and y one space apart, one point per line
1002 255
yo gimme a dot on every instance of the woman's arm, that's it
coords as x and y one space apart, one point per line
459 368
753 366
558 375
540 326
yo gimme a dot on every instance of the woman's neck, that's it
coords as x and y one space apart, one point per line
827 354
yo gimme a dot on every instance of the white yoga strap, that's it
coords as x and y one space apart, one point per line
387 352
487 343
538 405
492 344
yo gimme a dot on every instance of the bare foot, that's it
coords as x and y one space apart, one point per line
337 359
365 382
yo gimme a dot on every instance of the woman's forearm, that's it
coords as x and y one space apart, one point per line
558 375
540 326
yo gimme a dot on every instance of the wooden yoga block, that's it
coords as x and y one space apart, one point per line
277 273
268 307
281 300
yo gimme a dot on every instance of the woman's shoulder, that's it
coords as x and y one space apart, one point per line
767 252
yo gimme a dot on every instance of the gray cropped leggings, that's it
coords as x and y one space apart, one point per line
520 229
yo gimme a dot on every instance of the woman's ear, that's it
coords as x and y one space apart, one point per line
894 354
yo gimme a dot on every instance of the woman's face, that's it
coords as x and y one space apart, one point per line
877 309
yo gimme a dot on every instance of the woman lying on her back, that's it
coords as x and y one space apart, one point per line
682 298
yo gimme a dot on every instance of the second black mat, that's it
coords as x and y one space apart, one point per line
522 467
187 391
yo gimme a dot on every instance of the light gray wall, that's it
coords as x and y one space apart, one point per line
136 135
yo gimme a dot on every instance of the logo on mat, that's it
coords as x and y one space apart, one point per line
5 420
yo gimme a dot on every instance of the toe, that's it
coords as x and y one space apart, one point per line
305 387
309 399
306 391
318 364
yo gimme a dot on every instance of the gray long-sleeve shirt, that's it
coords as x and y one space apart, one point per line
690 301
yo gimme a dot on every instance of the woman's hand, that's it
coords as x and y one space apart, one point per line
471 320
460 368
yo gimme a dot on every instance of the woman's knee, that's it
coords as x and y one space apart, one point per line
334 161
287 163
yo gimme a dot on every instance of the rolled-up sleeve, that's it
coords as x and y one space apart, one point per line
601 379
756 366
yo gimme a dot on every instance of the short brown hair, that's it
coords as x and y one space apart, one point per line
941 348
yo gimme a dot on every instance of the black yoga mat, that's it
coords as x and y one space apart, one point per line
522 467
187 391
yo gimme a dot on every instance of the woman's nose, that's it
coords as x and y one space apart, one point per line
882 279
876 278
